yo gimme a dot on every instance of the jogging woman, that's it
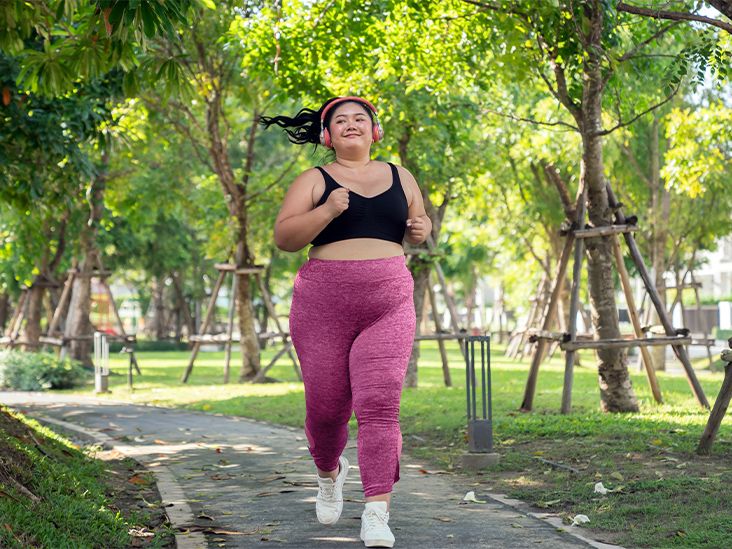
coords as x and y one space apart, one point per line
352 319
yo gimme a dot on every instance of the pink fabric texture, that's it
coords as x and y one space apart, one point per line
352 324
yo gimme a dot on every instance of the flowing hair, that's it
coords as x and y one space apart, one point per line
304 127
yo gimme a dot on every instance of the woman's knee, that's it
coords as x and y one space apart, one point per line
377 403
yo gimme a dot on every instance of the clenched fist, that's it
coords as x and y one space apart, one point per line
417 230
337 201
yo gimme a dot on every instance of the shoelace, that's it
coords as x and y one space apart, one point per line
375 519
327 490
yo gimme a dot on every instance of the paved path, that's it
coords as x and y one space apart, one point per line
258 479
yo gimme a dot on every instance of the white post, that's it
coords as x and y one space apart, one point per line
101 363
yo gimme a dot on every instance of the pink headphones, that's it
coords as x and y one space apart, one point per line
378 132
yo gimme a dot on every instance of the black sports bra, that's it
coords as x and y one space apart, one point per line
383 216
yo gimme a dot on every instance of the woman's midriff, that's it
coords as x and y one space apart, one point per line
356 248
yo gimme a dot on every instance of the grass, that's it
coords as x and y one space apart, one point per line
52 494
664 495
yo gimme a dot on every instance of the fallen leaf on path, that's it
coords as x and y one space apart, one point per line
516 525
278 540
617 476
158 441
435 472
221 476
137 479
141 533
204 516
263 494
600 489
270 478
470 496
443 519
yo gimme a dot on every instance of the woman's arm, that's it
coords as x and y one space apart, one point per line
419 224
298 221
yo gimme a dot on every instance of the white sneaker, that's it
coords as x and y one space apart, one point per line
329 501
375 530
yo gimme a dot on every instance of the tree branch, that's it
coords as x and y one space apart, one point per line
634 161
651 109
631 53
673 15
531 120
276 182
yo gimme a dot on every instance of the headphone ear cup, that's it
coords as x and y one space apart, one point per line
378 132
325 138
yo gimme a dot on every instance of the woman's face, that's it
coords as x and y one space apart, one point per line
350 127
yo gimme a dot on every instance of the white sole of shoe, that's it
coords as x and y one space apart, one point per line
378 543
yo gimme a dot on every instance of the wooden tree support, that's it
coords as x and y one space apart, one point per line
570 342
624 343
604 231
61 341
720 406
229 337
441 335
678 349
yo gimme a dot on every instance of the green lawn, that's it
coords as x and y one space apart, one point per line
664 495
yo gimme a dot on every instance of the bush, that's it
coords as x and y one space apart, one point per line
26 371
144 345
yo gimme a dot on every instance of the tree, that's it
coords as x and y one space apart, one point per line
579 51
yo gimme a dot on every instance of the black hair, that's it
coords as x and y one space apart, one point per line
304 127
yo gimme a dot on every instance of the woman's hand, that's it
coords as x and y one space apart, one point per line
417 229
337 202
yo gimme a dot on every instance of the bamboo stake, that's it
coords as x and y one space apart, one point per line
230 327
579 251
438 330
637 328
699 316
206 322
715 418
273 314
61 304
679 350
530 389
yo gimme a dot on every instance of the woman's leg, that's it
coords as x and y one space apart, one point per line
378 362
322 341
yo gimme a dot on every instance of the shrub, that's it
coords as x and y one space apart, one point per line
144 345
27 371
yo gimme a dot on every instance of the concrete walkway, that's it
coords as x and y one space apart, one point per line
256 481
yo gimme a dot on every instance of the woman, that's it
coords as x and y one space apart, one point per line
352 319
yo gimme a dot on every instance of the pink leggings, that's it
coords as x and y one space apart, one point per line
352 324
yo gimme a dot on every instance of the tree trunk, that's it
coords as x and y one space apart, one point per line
420 273
420 267
32 329
78 323
4 308
156 323
470 290
249 341
616 391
